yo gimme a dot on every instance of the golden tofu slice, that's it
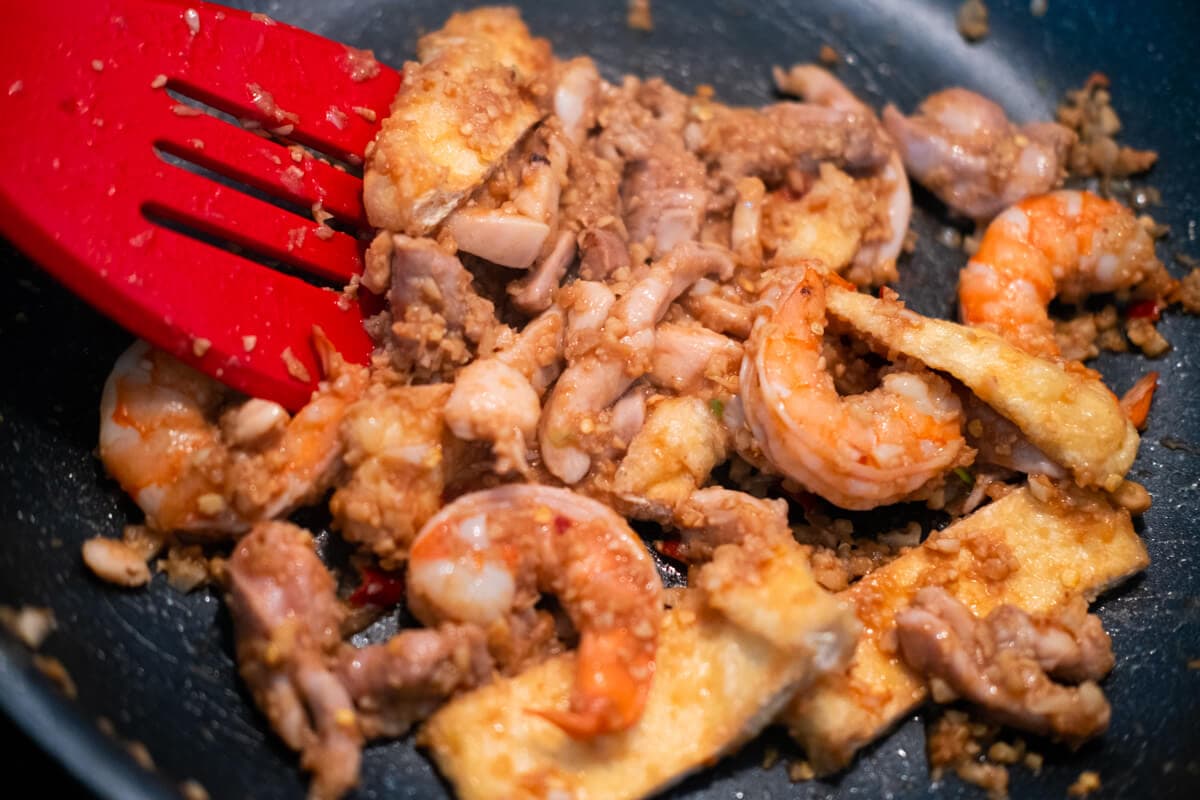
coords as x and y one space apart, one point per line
716 685
502 28
1018 550
455 119
672 455
1064 409
767 587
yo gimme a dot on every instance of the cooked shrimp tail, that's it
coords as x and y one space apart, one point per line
607 695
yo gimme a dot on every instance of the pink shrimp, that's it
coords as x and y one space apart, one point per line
962 147
860 451
1067 244
196 457
489 553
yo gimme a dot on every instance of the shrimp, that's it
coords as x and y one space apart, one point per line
860 451
195 458
489 553
1066 244
962 147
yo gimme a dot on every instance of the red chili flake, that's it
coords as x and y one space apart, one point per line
671 548
1145 309
561 524
378 588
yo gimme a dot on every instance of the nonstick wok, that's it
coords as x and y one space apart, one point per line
158 665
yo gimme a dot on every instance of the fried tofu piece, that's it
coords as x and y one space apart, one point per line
673 454
717 684
458 114
766 586
1063 408
501 27
1019 550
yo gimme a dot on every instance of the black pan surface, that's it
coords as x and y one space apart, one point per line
159 665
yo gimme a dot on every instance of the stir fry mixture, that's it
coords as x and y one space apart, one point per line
618 304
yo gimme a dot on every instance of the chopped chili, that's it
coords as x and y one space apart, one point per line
378 588
671 548
1144 309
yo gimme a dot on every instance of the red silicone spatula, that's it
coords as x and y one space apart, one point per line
85 190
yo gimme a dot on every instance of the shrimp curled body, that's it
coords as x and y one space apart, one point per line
1067 244
196 457
859 451
491 552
